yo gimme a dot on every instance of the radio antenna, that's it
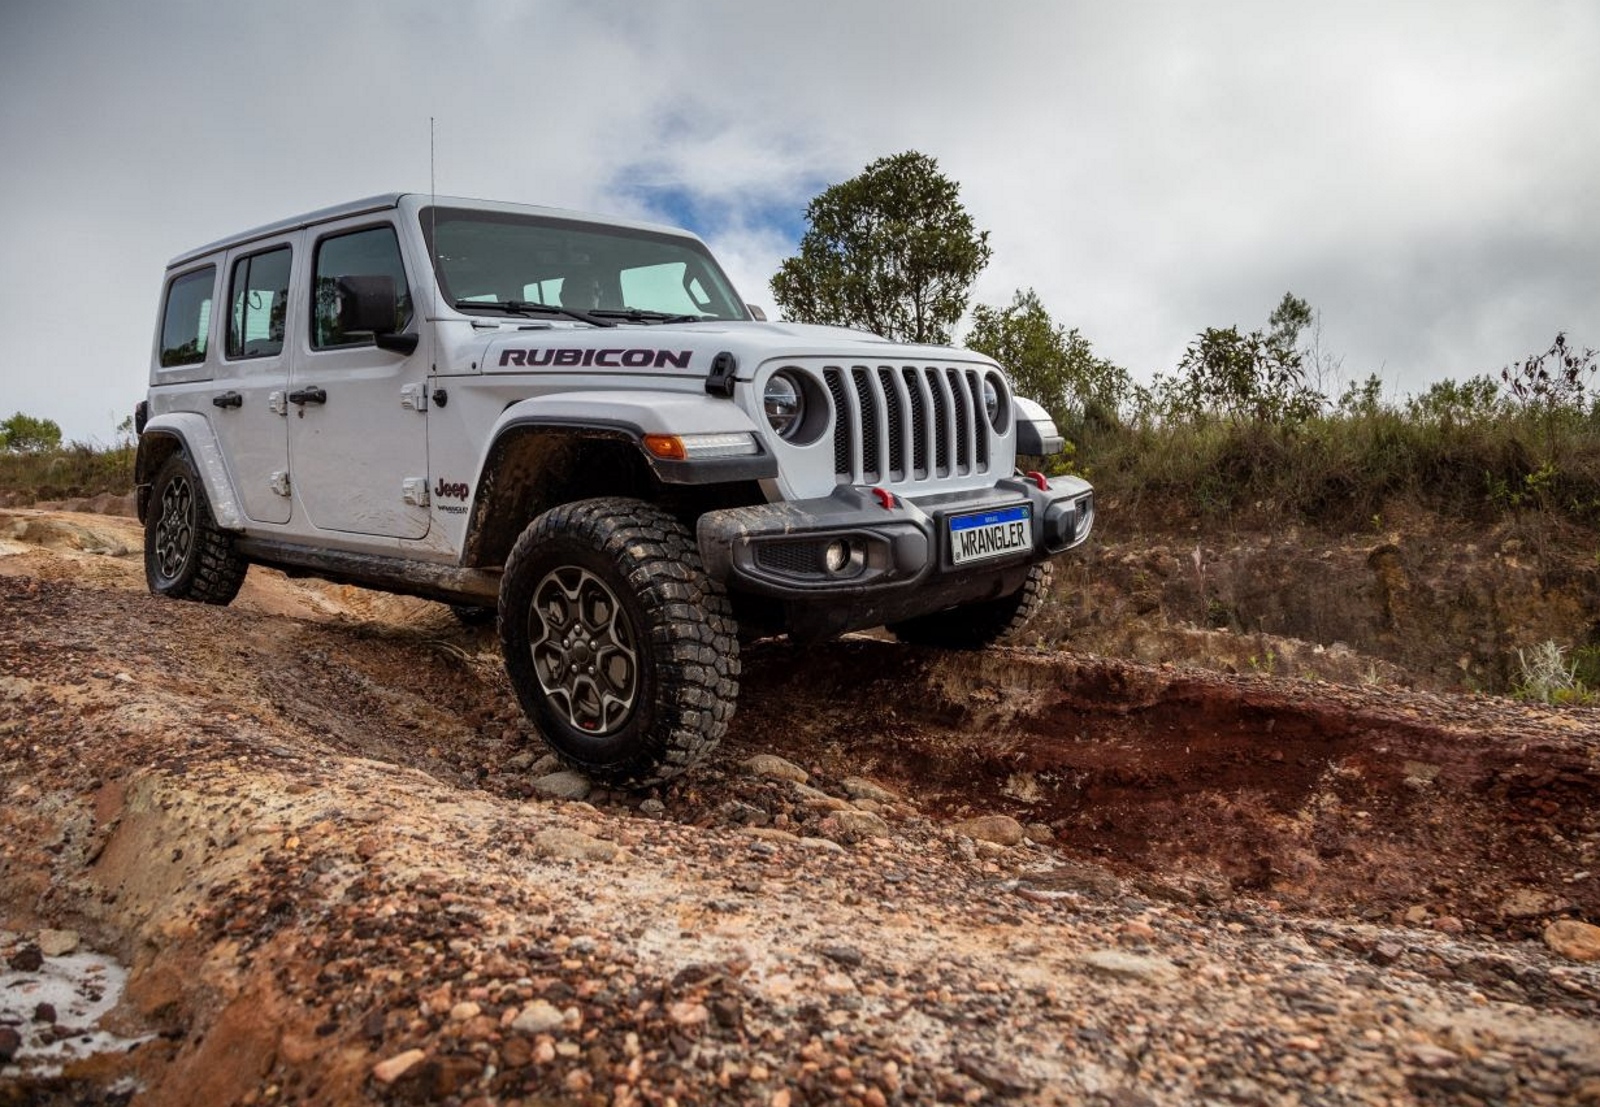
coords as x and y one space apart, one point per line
433 225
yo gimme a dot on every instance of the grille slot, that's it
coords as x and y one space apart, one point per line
790 558
909 423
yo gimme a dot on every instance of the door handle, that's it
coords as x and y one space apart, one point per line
308 396
228 399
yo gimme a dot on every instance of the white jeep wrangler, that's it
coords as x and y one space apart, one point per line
577 420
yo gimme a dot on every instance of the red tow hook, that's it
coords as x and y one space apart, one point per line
886 498
1040 479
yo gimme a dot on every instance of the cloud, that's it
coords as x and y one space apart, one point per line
1423 173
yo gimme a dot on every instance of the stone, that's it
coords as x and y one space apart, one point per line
44 1012
573 845
653 808
1129 966
1577 941
1002 830
686 1014
773 767
10 1042
852 826
27 959
859 787
538 1017
1530 903
1434 1057
465 1010
58 943
1000 1077
563 785
388 1071
823 844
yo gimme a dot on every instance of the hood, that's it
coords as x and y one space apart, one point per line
688 348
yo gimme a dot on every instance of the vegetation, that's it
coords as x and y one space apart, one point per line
891 251
23 434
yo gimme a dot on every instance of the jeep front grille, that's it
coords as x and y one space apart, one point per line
911 424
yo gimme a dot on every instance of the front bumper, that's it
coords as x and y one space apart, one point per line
781 550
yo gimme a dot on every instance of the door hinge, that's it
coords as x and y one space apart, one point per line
414 490
414 397
279 482
278 402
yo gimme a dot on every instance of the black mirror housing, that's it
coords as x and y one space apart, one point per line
368 304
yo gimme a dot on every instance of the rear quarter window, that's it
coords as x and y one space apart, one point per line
186 318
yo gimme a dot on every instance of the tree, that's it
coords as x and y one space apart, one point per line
1249 377
1049 363
890 250
23 434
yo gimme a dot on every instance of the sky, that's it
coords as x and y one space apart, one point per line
1426 174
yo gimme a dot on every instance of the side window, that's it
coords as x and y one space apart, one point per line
258 303
186 321
369 253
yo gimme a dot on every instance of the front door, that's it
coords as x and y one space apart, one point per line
358 440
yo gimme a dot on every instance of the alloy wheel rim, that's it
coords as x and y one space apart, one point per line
584 652
175 527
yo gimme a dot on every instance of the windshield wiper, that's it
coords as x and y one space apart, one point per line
642 315
529 307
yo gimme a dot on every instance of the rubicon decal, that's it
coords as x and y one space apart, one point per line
445 490
605 359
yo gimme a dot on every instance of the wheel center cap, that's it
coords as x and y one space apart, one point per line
581 653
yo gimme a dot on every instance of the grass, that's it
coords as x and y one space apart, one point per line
70 472
1339 470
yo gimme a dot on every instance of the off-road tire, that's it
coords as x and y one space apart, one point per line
186 555
978 625
679 632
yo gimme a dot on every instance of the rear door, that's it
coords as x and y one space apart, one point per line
358 441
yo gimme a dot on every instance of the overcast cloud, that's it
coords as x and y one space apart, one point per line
1426 174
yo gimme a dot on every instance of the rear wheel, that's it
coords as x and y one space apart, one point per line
186 555
974 626
620 648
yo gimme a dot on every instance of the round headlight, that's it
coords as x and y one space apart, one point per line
991 402
784 404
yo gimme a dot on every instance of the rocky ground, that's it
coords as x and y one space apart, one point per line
315 835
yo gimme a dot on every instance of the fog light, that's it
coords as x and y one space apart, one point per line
837 556
843 558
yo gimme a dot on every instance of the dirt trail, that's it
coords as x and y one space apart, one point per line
308 825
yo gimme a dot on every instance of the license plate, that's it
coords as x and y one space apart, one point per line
989 534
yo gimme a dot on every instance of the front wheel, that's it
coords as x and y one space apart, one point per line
621 649
978 625
186 555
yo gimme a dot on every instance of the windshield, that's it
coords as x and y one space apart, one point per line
499 259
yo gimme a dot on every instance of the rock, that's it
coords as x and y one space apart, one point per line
1530 903
27 959
849 956
1002 830
563 785
520 763
1416 915
770 834
465 1010
773 767
1434 1057
387 1072
1386 953
10 1042
44 1012
1572 939
57 943
686 1014
1129 966
859 787
538 1017
823 844
654 808
1000 1077
852 826
573 845
819 800
837 984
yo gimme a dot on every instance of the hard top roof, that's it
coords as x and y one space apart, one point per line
416 201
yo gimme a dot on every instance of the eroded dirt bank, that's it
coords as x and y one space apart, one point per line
307 824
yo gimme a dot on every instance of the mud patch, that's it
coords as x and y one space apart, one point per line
1339 800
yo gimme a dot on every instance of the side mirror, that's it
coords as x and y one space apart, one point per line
756 313
369 304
